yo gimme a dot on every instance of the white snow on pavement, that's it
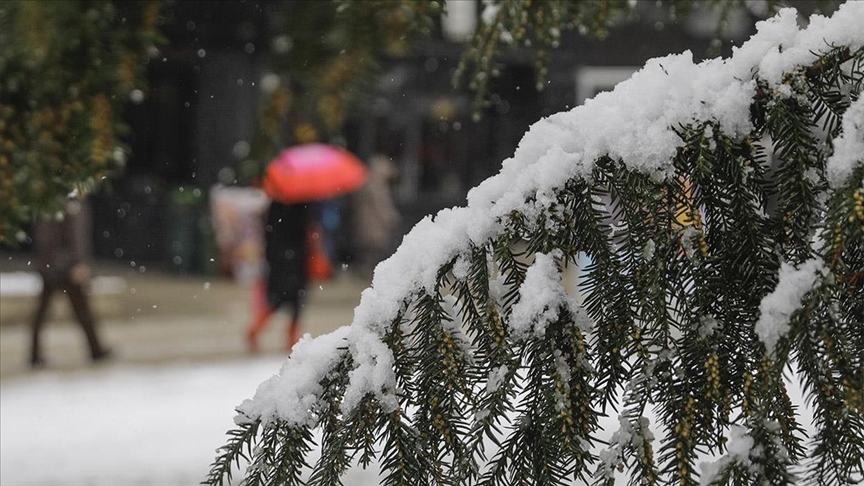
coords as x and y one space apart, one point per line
120 426
124 425
149 425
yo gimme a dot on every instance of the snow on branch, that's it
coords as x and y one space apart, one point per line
739 448
541 297
634 124
849 146
777 307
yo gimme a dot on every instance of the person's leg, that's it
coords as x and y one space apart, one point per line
81 306
259 322
292 332
38 322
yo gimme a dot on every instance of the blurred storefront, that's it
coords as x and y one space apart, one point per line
186 136
426 126
195 126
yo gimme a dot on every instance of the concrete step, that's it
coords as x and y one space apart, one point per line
122 295
19 297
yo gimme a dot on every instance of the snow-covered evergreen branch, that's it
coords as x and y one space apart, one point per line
469 364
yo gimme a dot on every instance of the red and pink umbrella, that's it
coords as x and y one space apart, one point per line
312 172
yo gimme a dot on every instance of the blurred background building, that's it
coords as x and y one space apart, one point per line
196 126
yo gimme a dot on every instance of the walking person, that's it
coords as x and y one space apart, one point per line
63 248
375 215
286 273
297 177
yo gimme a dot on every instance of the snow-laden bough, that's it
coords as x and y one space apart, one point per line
634 124
712 267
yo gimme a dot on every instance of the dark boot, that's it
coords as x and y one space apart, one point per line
103 354
38 323
256 326
85 318
292 334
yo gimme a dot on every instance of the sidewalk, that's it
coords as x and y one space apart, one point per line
151 316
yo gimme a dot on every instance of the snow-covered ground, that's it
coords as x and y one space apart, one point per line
134 425
124 426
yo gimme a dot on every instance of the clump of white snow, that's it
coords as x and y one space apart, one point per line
738 451
541 297
776 307
849 146
648 250
373 372
498 289
613 455
626 435
290 394
496 379
707 325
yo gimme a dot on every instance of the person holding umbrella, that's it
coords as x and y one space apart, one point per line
285 253
376 218
63 249
298 176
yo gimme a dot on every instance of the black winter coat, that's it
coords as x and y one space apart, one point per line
285 241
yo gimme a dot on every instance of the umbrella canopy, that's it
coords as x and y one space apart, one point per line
311 172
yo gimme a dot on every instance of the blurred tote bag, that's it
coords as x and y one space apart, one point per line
318 266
